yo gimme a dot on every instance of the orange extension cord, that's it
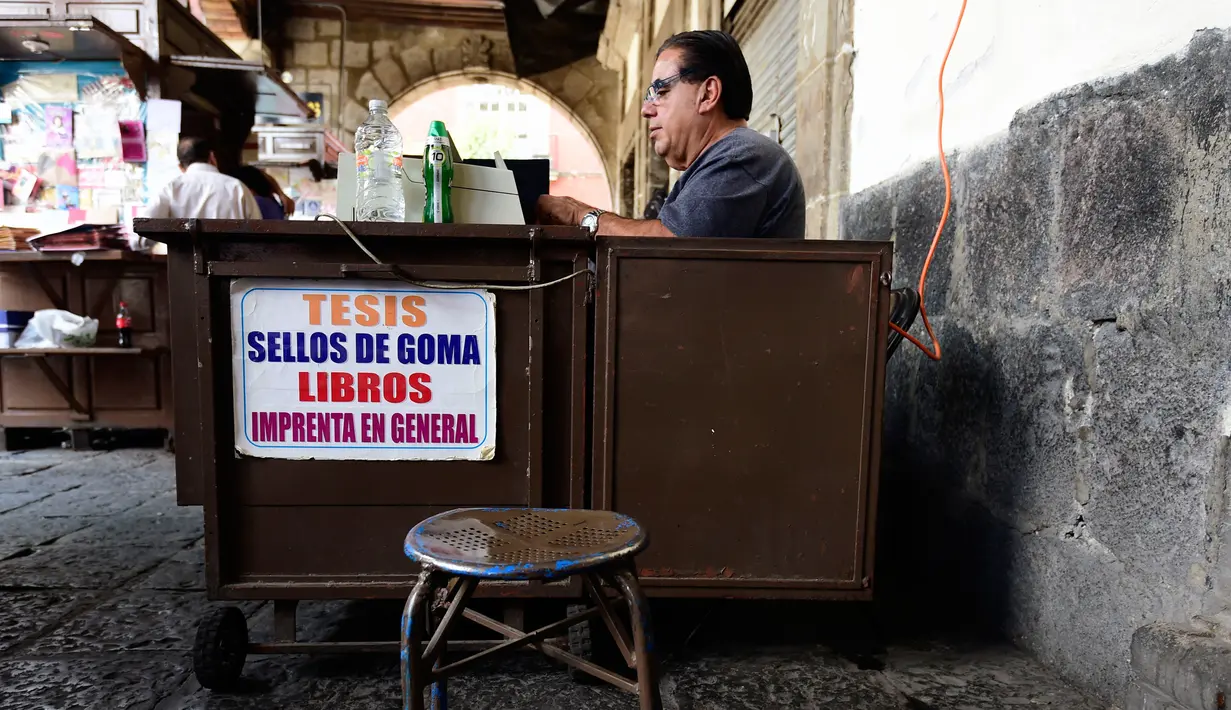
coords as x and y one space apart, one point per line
934 351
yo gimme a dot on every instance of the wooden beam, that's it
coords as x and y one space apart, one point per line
460 16
62 387
57 299
434 19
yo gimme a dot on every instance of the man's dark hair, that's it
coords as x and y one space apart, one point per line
707 53
194 150
254 180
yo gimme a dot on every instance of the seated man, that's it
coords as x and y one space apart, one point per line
735 181
200 190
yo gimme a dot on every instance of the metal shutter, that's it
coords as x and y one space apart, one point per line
768 32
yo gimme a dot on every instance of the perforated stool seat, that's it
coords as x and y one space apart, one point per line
523 543
461 548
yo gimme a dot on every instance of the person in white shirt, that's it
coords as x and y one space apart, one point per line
201 191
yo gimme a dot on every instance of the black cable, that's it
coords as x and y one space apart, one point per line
905 308
454 286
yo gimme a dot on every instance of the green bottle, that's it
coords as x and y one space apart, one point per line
438 175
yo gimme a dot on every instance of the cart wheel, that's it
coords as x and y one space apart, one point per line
580 643
220 648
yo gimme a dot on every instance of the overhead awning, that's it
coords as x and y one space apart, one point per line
250 98
41 38
548 34
217 79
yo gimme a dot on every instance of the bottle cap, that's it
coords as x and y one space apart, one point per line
437 128
123 304
377 103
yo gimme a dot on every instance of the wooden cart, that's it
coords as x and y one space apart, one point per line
724 393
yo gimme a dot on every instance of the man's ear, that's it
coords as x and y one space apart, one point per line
710 94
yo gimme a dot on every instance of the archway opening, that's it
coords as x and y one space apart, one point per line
485 118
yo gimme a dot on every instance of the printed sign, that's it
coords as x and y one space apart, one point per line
371 370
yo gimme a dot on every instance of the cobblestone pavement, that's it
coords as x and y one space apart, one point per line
102 585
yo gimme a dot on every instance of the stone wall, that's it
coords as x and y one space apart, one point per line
385 60
1061 475
1178 668
823 100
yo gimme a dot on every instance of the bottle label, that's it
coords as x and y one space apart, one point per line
122 322
438 151
376 164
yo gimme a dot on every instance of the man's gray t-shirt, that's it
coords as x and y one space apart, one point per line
744 185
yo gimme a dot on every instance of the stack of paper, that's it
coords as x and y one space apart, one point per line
83 237
14 238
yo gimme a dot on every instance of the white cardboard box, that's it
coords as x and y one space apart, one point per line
481 195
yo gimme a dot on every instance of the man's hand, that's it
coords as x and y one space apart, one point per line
561 210
567 211
288 205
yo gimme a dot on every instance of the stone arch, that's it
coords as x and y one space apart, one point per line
448 80
384 60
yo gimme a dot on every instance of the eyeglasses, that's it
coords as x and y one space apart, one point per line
655 90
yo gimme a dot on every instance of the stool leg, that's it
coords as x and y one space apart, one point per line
414 621
440 689
643 639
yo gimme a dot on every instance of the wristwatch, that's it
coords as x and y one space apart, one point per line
590 221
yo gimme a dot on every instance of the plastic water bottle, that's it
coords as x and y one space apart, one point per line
378 168
438 176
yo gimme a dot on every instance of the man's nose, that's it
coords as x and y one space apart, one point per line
648 109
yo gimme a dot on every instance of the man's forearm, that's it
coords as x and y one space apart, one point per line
613 225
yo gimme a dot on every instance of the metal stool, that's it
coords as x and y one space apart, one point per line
461 548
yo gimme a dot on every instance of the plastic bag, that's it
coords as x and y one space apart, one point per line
52 328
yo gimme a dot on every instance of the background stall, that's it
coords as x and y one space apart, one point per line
89 123
83 142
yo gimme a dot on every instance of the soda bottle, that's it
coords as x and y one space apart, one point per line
438 175
123 324
378 168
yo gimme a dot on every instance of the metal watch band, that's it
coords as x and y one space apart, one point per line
597 213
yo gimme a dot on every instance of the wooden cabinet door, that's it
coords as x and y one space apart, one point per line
738 392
